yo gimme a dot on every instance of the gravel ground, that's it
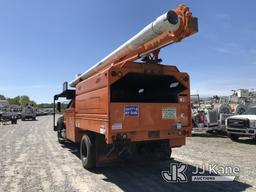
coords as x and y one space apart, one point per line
32 160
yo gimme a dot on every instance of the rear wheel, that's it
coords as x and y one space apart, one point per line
88 152
233 137
61 140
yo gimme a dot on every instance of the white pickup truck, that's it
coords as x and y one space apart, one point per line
242 125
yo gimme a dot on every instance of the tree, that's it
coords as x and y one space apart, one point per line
14 101
21 101
33 103
45 105
24 100
2 97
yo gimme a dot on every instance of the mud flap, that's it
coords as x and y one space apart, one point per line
125 150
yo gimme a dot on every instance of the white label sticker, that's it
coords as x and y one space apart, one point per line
168 113
102 129
117 126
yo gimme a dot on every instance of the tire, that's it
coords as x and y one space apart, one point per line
210 131
60 128
61 140
88 152
233 137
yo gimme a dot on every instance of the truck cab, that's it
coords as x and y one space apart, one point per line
68 110
9 115
242 125
28 113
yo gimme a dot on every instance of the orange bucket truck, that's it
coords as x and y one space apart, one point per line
125 108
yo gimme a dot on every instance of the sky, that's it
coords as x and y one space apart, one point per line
46 42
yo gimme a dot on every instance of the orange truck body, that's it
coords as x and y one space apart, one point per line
133 102
94 111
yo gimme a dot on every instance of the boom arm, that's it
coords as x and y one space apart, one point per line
168 28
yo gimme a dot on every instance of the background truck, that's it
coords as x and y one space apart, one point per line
7 116
120 108
28 113
242 125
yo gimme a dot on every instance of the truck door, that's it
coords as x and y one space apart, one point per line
70 121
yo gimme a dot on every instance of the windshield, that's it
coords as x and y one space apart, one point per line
251 111
28 110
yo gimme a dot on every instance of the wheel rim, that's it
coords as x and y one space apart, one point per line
62 133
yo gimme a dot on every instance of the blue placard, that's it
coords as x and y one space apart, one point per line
131 111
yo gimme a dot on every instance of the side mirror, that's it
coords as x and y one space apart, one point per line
58 106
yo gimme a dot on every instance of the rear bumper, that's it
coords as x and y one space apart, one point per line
29 116
175 136
205 129
243 132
